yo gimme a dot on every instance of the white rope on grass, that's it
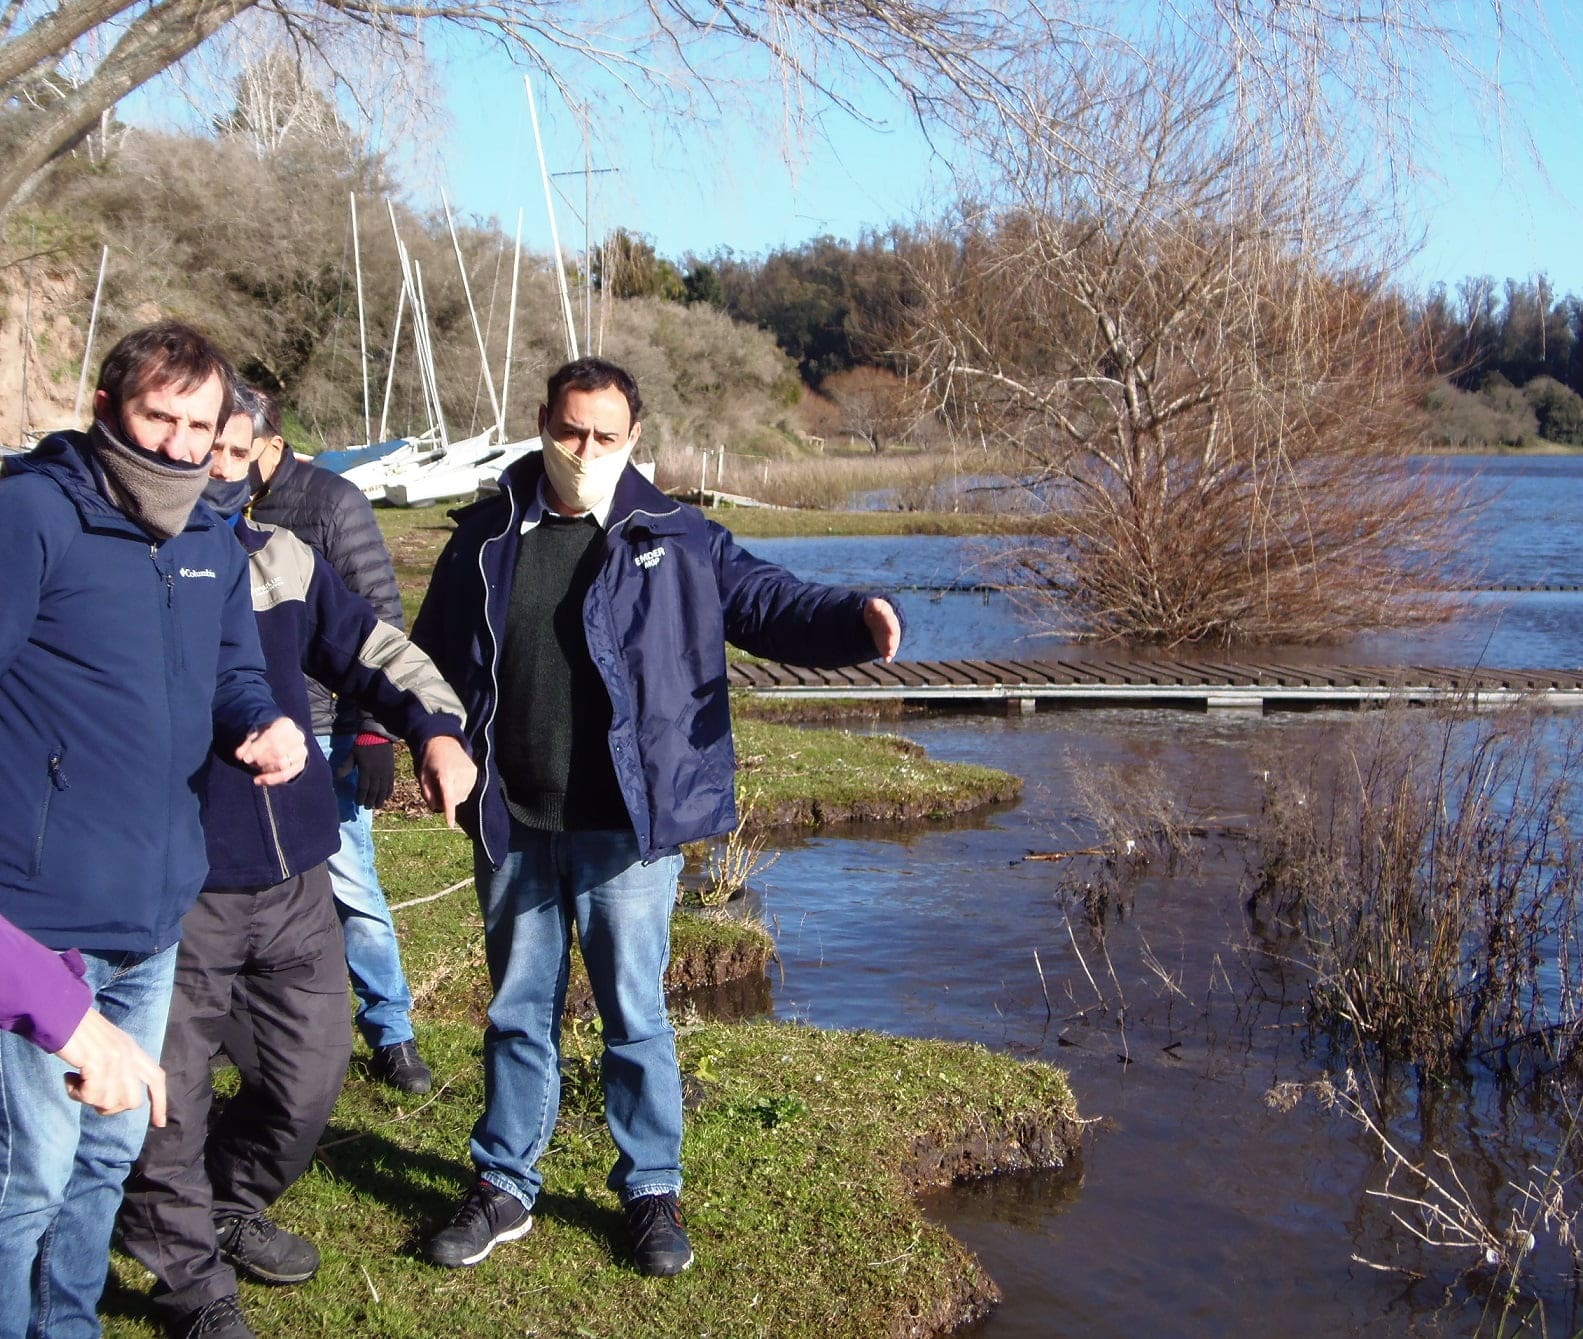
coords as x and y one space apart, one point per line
432 897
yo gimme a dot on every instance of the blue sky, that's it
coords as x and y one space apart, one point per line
1483 200
745 187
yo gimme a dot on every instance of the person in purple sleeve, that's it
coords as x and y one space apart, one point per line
44 998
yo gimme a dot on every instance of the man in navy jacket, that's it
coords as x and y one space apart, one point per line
582 618
195 1211
127 646
329 513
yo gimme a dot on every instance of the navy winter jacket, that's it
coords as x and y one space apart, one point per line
674 588
333 517
310 623
121 659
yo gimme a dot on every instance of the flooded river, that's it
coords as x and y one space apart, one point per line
1198 1209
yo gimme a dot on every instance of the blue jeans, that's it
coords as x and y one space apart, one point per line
62 1164
384 1003
622 909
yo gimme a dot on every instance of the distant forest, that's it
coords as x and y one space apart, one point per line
1512 360
1507 357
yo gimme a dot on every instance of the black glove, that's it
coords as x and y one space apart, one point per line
376 770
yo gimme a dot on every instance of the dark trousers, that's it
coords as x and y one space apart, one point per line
285 944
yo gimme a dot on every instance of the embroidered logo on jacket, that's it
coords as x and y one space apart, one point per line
651 558
198 572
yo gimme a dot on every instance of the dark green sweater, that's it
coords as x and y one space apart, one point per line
552 730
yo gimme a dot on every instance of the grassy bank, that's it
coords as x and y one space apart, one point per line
801 1201
804 1150
804 777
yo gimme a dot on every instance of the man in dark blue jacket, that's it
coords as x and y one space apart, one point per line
127 646
333 517
195 1211
582 618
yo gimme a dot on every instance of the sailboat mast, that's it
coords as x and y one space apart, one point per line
362 323
511 327
472 310
555 237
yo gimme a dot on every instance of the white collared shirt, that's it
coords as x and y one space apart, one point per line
601 513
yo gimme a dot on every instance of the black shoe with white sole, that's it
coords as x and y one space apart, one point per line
487 1216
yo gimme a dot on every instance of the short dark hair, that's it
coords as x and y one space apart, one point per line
167 353
593 374
260 406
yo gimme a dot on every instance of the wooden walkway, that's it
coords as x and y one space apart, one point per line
1213 685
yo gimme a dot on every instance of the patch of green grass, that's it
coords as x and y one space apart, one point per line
807 776
415 536
801 1160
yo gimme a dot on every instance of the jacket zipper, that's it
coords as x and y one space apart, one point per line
274 836
494 677
58 782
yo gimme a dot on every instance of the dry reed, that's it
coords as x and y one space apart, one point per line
1425 870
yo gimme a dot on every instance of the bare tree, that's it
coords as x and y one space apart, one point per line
876 404
666 56
1166 327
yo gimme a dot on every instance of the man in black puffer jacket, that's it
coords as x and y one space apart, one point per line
332 517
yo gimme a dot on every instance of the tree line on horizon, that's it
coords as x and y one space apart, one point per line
1507 355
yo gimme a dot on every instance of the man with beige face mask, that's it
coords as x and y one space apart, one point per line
582 617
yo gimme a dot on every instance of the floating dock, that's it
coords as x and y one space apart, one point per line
1195 685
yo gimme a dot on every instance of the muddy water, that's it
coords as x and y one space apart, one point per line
1198 1209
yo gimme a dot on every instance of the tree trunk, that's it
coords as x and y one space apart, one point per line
155 40
51 37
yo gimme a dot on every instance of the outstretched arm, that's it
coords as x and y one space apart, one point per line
770 612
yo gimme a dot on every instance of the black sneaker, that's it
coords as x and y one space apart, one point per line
219 1319
269 1254
487 1217
401 1067
659 1242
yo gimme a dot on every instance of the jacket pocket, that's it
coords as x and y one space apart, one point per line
55 780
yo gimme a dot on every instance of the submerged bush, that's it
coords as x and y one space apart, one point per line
1426 868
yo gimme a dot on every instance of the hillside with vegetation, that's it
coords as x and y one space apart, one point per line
253 243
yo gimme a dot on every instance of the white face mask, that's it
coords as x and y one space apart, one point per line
583 484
